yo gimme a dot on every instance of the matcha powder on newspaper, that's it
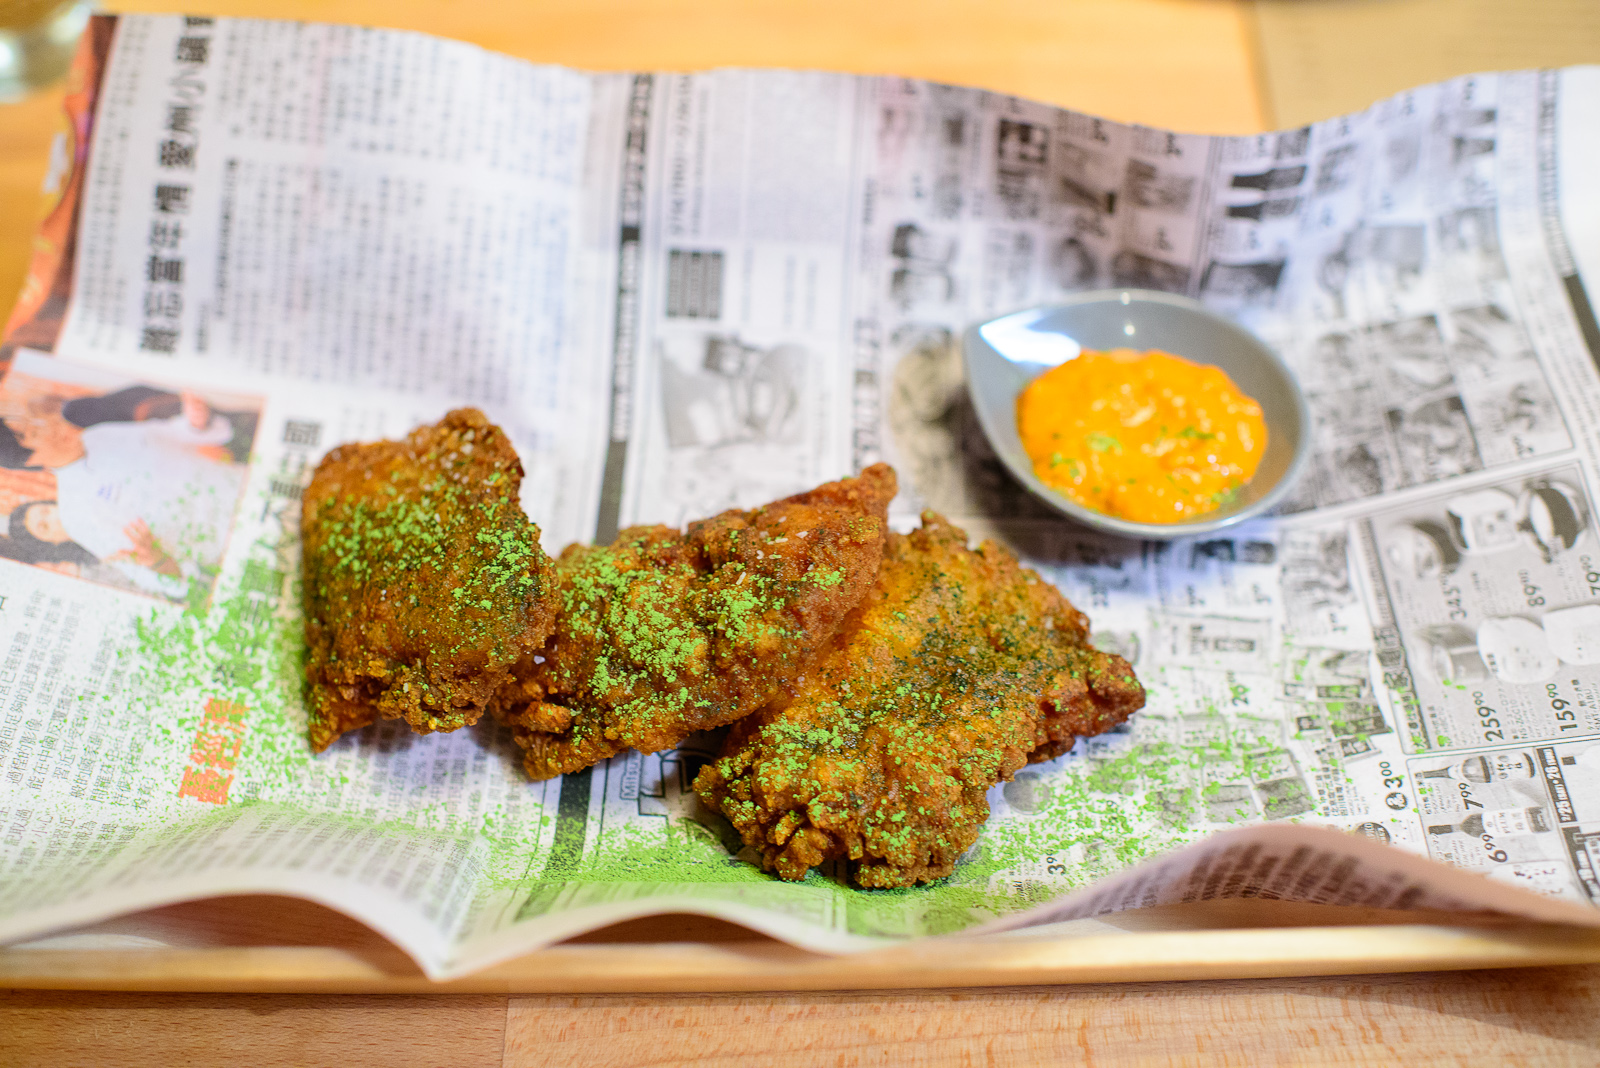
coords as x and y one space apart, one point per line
424 580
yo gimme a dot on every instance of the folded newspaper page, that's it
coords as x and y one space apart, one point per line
680 293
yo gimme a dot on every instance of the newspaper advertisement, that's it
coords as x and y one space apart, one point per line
682 293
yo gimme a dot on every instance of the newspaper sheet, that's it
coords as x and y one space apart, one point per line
680 293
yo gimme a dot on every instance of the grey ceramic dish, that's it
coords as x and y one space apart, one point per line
1003 355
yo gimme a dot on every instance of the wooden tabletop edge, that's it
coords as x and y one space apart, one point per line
770 966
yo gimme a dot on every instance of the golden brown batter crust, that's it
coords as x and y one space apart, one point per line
662 634
959 667
424 579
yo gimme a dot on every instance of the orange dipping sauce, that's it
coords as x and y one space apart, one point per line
1145 436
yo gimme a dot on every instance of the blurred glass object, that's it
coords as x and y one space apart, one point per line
37 39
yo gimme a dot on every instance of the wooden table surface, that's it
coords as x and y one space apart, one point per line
1226 66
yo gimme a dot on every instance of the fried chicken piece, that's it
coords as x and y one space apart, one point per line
663 634
424 579
959 667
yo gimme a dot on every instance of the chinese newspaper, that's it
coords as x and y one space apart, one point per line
682 293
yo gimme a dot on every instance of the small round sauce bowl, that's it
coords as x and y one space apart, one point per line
1003 355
